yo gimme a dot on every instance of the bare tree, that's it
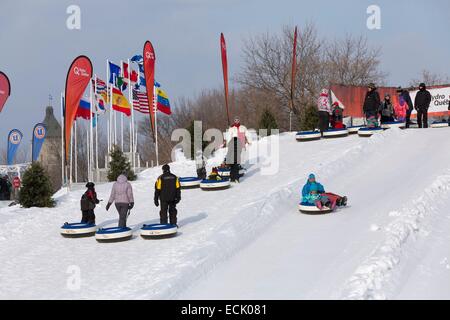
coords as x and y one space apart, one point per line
430 79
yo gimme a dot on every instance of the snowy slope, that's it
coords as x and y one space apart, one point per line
250 241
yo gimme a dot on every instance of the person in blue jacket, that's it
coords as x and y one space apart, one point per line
314 193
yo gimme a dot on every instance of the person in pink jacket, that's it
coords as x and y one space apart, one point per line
122 196
401 109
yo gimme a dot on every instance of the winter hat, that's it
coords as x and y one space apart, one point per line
399 89
324 93
165 168
90 185
422 85
372 85
312 176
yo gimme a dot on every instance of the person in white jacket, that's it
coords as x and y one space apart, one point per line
324 109
237 139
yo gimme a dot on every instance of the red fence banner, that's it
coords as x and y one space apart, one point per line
78 77
223 48
149 73
5 90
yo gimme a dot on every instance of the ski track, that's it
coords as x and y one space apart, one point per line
219 227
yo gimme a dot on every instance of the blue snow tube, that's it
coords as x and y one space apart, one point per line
158 231
78 230
354 129
440 124
115 234
311 209
190 182
368 132
209 185
303 136
336 133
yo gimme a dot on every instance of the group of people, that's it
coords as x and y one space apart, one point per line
374 108
167 195
5 188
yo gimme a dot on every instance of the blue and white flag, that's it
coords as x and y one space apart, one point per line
39 134
14 140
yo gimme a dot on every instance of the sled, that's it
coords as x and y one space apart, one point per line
335 133
440 124
304 136
78 230
311 209
226 172
113 234
354 129
190 183
368 132
158 231
394 124
214 185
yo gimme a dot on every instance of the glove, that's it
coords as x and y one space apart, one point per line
131 205
107 206
177 200
156 202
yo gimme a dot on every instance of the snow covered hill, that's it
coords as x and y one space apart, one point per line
250 242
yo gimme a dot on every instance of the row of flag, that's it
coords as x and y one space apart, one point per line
121 78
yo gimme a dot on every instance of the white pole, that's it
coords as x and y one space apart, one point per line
156 124
121 131
110 103
96 147
91 140
88 152
76 152
62 142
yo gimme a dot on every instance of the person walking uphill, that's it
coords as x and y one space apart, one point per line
88 202
372 106
405 96
421 104
122 195
324 109
168 191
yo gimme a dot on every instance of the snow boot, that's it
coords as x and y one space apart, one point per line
319 204
343 201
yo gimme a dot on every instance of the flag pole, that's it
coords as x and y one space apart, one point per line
130 98
63 167
155 109
91 140
96 134
76 152
110 106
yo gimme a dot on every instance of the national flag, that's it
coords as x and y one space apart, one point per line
162 102
114 72
140 101
101 90
120 103
100 95
84 110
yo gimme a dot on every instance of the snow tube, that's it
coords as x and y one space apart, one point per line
78 230
113 234
368 132
303 136
311 209
158 231
439 124
215 185
335 133
393 124
354 129
225 172
190 182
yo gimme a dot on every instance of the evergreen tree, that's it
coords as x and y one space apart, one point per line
36 190
310 119
268 122
119 165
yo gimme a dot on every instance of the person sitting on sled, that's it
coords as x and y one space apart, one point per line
314 193
337 116
88 202
214 175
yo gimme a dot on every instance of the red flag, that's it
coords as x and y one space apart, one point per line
5 89
223 48
78 77
294 68
149 73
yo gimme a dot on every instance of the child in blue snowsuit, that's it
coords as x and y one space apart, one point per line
314 193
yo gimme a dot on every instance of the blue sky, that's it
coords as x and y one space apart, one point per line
37 48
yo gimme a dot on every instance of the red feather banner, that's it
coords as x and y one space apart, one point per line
149 72
5 90
223 48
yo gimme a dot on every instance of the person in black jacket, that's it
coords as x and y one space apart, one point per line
88 202
372 102
421 104
405 94
168 191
